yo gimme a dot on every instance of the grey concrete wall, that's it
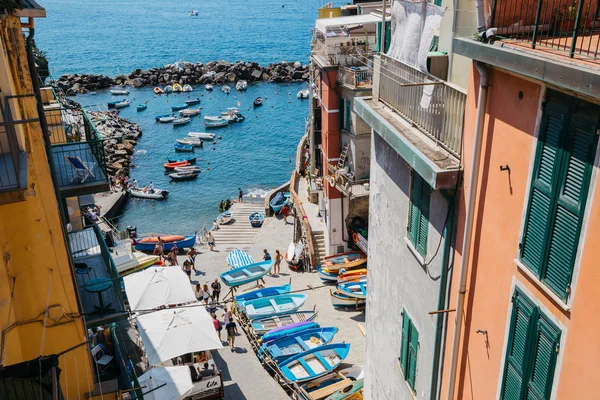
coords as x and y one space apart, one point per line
397 279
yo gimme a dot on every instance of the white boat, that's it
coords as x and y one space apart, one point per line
208 87
189 112
187 88
215 122
339 299
196 142
123 104
202 135
226 89
156 194
241 86
181 121
292 257
119 92
168 89
225 217
303 94
188 169
166 120
193 13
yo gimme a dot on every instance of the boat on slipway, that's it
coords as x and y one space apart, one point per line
352 275
149 243
256 219
339 299
329 384
279 200
345 260
314 362
356 289
156 194
292 256
264 292
225 217
271 306
351 391
296 343
246 274
274 328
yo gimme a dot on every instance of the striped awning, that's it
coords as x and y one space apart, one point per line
238 258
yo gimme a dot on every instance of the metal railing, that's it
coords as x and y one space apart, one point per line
351 52
562 26
346 184
306 228
356 78
432 105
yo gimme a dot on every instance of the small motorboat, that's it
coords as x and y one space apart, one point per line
177 107
188 168
122 104
357 289
238 258
202 135
149 243
230 110
226 89
141 107
279 200
314 362
184 148
158 91
225 217
303 94
189 112
345 260
215 122
256 219
168 119
296 343
237 117
181 121
193 13
190 161
271 306
352 275
183 176
113 104
351 391
339 299
264 292
168 89
292 256
241 86
191 102
177 87
187 88
246 274
208 87
119 92
158 117
170 166
258 102
156 194
191 142
273 328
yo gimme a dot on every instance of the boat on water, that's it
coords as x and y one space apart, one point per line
188 168
234 117
355 289
303 94
191 142
193 13
202 135
279 200
191 102
187 88
184 148
119 92
345 260
242 85
225 217
272 306
168 119
177 107
263 292
156 194
246 274
189 112
141 107
158 117
177 87
208 87
226 89
256 219
113 104
168 89
149 243
314 363
351 391
158 91
184 176
339 299
190 161
298 342
352 275
274 328
258 102
292 256
215 122
181 121
132 262
122 104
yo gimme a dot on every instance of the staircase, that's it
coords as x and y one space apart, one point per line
319 244
238 234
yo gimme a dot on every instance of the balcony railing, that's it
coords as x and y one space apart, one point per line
343 51
567 27
430 104
346 184
356 77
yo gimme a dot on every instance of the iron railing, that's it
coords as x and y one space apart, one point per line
356 78
346 184
569 27
432 105
352 51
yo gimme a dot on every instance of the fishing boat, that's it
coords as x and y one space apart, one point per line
345 260
351 391
188 168
296 343
166 120
271 306
119 92
233 117
191 102
112 104
230 110
150 242
303 94
226 89
191 142
215 122
158 91
246 274
193 13
177 87
329 384
189 112
181 121
168 89
202 135
184 176
141 107
256 219
177 107
352 275
339 299
292 256
258 102
238 258
274 328
356 289
190 161
122 104
241 86
183 147
208 87
263 292
279 200
158 117
170 166
225 217
187 88
156 194
314 363
326 275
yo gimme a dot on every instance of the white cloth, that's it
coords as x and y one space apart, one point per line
177 383
158 287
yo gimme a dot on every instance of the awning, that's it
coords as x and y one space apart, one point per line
158 287
166 383
323 23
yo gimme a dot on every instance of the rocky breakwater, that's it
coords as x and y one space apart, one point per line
214 72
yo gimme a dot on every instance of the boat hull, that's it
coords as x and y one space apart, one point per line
314 362
187 242
357 289
183 176
190 161
299 342
261 326
246 274
263 292
327 276
256 219
156 195
345 260
341 300
273 305
225 218
278 201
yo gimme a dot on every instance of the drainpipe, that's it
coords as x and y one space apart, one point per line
383 32
480 16
442 297
470 215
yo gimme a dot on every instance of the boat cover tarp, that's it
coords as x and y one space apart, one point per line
238 258
158 287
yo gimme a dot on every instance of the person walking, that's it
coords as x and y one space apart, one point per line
211 241
227 315
231 329
217 325
216 288
198 292
266 255
212 305
187 268
240 196
205 294
173 255
277 265
161 247
192 257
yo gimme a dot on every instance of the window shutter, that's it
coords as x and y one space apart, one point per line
424 217
413 349
404 344
415 217
544 360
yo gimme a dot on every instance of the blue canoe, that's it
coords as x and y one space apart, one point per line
238 258
279 200
187 242
177 107
141 107
256 219
271 306
314 362
264 292
281 325
299 342
356 289
246 274
183 147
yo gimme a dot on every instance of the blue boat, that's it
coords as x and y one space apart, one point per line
256 219
113 104
314 362
275 327
357 290
325 276
264 292
141 107
158 117
279 200
183 147
186 242
249 273
272 306
238 258
299 342
190 161
191 102
177 107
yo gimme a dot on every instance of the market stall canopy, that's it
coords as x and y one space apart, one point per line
167 334
166 383
158 287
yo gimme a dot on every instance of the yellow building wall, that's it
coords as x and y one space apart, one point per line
35 272
326 12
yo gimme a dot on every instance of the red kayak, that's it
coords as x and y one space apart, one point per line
172 166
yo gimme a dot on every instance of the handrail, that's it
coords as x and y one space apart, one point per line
300 212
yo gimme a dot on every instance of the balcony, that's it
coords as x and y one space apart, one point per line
356 78
344 181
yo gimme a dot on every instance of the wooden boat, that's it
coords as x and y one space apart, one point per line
270 306
141 107
148 244
241 86
170 166
188 168
226 89
238 258
132 262
352 275
177 107
246 274
177 87
296 343
351 391
157 194
158 91
191 142
303 94
202 135
258 102
191 102
183 147
166 120
279 200
256 219
119 92
187 88
274 328
189 112
357 289
327 276
122 104
314 362
184 176
339 299
263 292
225 217
181 121
292 256
208 87
345 260
215 122
190 161
168 89
328 384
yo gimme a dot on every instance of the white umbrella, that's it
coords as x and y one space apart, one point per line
158 287
166 383
167 334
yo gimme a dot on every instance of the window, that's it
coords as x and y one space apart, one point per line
561 177
409 349
418 221
533 345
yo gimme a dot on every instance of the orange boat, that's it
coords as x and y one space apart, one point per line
351 276
166 239
344 260
173 165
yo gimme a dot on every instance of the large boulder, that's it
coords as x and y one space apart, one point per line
231 77
137 82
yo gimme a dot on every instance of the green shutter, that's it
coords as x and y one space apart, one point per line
424 217
413 348
404 344
544 352
415 216
347 114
